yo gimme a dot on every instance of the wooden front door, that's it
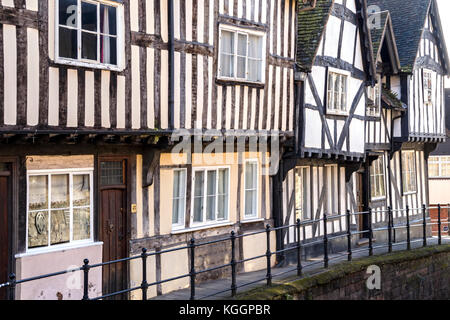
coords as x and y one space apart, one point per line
360 201
4 232
113 222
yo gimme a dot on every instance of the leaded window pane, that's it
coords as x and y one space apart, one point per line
111 173
81 224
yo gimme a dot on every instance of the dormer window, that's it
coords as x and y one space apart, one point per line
427 87
241 55
374 100
88 33
337 92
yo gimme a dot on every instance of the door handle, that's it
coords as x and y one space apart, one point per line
111 228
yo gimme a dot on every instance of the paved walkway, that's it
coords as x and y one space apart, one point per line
246 281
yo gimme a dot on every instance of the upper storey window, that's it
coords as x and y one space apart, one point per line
374 100
337 93
241 55
428 87
88 33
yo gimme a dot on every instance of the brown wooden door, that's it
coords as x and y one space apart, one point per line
113 222
4 234
360 199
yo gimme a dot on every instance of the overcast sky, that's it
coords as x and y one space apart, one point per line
444 10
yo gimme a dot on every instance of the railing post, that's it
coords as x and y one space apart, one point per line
86 269
233 264
192 272
325 241
370 232
12 286
269 257
408 230
390 229
424 212
439 225
299 249
144 284
349 236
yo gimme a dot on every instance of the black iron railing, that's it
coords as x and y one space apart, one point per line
297 246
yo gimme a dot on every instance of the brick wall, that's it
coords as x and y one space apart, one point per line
419 274
445 230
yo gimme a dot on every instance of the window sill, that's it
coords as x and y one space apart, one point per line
252 220
409 193
339 114
61 248
83 64
201 227
233 81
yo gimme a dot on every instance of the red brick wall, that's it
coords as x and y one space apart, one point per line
444 221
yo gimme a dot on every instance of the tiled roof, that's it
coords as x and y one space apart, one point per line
408 20
311 24
377 33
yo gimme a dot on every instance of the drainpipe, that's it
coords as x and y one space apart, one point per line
171 63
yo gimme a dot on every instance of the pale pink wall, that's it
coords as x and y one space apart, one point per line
67 286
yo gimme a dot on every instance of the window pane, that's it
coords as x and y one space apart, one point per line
254 70
60 226
222 199
38 193
227 42
211 196
68 43
81 190
445 167
37 229
241 67
178 204
255 47
343 93
81 224
89 16
250 202
108 50
60 191
198 196
68 13
89 46
227 65
242 45
111 173
250 175
433 169
108 17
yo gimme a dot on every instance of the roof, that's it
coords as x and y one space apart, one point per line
408 23
311 24
384 34
390 100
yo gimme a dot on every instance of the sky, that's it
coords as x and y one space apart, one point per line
444 10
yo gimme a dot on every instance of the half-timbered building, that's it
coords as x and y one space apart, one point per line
333 66
94 97
399 177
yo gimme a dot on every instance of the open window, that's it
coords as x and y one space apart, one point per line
377 180
89 33
409 176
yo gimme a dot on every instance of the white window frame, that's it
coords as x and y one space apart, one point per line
205 222
255 215
428 90
439 160
178 226
406 192
71 243
120 25
373 180
308 191
338 112
236 31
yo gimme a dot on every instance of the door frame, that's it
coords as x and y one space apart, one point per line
98 160
12 215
